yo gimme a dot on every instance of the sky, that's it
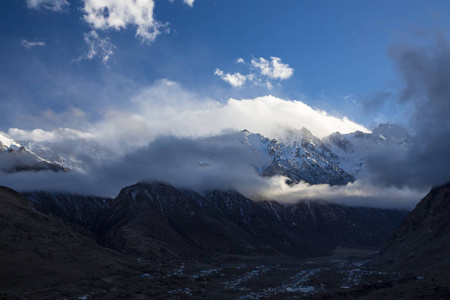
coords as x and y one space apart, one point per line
127 72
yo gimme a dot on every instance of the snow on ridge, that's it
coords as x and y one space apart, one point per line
9 143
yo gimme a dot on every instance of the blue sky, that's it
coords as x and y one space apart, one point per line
338 51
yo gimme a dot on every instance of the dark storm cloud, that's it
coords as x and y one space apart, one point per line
376 101
425 72
207 163
219 162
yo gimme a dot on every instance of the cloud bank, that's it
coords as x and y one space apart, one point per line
204 164
362 192
425 95
166 108
168 133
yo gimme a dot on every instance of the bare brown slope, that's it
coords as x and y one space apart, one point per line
42 253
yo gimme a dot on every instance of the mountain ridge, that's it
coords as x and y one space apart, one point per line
298 155
16 158
175 222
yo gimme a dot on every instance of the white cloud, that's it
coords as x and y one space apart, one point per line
235 79
189 2
39 135
266 71
118 14
362 192
29 45
274 69
97 46
54 5
167 108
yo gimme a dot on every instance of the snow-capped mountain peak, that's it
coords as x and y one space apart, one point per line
391 133
354 148
7 143
16 158
300 156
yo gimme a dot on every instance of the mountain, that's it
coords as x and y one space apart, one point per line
42 255
302 157
74 154
353 148
297 154
419 249
86 211
337 160
158 220
422 241
16 158
175 243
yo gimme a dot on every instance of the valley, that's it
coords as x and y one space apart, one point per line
339 276
96 248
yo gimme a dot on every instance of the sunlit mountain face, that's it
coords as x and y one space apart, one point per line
207 148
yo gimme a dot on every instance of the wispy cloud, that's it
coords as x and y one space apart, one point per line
29 44
97 47
187 2
54 5
261 72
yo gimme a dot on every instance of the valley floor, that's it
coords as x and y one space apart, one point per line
340 276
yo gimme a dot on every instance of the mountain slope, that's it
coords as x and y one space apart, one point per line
85 211
16 158
301 157
420 250
73 153
297 154
336 160
41 254
422 241
158 220
354 148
